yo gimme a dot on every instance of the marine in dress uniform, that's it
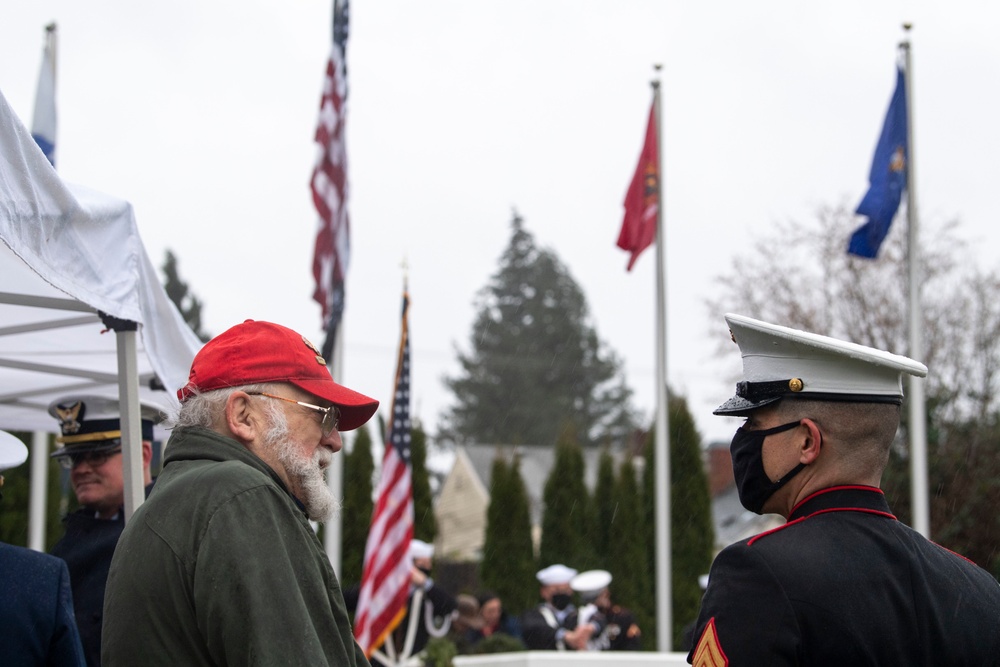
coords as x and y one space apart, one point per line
843 582
91 449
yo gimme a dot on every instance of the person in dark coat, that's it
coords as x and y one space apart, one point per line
429 610
843 582
91 450
494 619
37 627
552 625
619 630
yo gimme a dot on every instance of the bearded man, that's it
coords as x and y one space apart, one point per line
221 565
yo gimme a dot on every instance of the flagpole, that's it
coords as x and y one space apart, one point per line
919 498
664 612
333 528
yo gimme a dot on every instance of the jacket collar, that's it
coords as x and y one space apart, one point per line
855 497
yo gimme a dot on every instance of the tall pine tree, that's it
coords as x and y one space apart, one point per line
187 303
605 508
628 561
691 530
568 524
359 469
424 522
508 565
536 360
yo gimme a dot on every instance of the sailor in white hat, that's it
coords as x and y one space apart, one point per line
553 624
36 607
617 629
842 582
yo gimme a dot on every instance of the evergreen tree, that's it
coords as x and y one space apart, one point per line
356 516
187 303
692 534
536 360
628 562
508 565
568 529
606 509
424 522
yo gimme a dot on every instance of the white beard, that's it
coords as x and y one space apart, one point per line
305 475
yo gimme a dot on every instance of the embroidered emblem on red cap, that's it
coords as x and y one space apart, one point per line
319 355
709 652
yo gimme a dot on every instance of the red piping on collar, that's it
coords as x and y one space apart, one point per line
855 487
887 515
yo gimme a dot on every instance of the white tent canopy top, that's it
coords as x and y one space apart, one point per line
81 307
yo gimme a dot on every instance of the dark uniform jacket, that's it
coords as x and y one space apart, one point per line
845 583
538 631
87 547
622 630
36 611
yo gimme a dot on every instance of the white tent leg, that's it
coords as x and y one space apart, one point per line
128 393
38 490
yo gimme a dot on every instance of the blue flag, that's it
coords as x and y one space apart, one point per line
887 179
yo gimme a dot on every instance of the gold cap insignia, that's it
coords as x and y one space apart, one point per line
795 384
319 355
70 417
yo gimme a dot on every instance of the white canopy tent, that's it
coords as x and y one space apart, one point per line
76 287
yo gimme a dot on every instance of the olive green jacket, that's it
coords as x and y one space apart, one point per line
221 567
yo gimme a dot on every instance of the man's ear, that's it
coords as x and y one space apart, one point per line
147 453
242 420
812 445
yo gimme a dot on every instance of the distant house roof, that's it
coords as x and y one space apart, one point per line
536 465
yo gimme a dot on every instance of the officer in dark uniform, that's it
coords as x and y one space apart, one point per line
843 582
92 445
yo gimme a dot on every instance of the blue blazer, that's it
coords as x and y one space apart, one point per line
36 611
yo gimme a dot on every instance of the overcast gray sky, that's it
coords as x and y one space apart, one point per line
202 115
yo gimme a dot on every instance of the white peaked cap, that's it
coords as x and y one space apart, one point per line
779 362
420 549
591 581
555 574
13 452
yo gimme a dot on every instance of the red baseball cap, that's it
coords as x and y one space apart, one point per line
258 352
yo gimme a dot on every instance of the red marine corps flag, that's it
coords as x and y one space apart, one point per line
329 186
642 201
385 582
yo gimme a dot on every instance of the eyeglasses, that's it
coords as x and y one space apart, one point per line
331 415
95 459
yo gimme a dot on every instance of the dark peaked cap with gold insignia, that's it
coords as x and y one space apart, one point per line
93 423
779 362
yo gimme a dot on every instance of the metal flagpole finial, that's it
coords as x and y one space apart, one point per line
655 83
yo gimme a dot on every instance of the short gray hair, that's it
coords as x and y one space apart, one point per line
205 409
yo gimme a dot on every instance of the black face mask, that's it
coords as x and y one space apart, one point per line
752 483
425 570
561 600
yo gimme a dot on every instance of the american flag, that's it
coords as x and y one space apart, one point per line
385 582
329 185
